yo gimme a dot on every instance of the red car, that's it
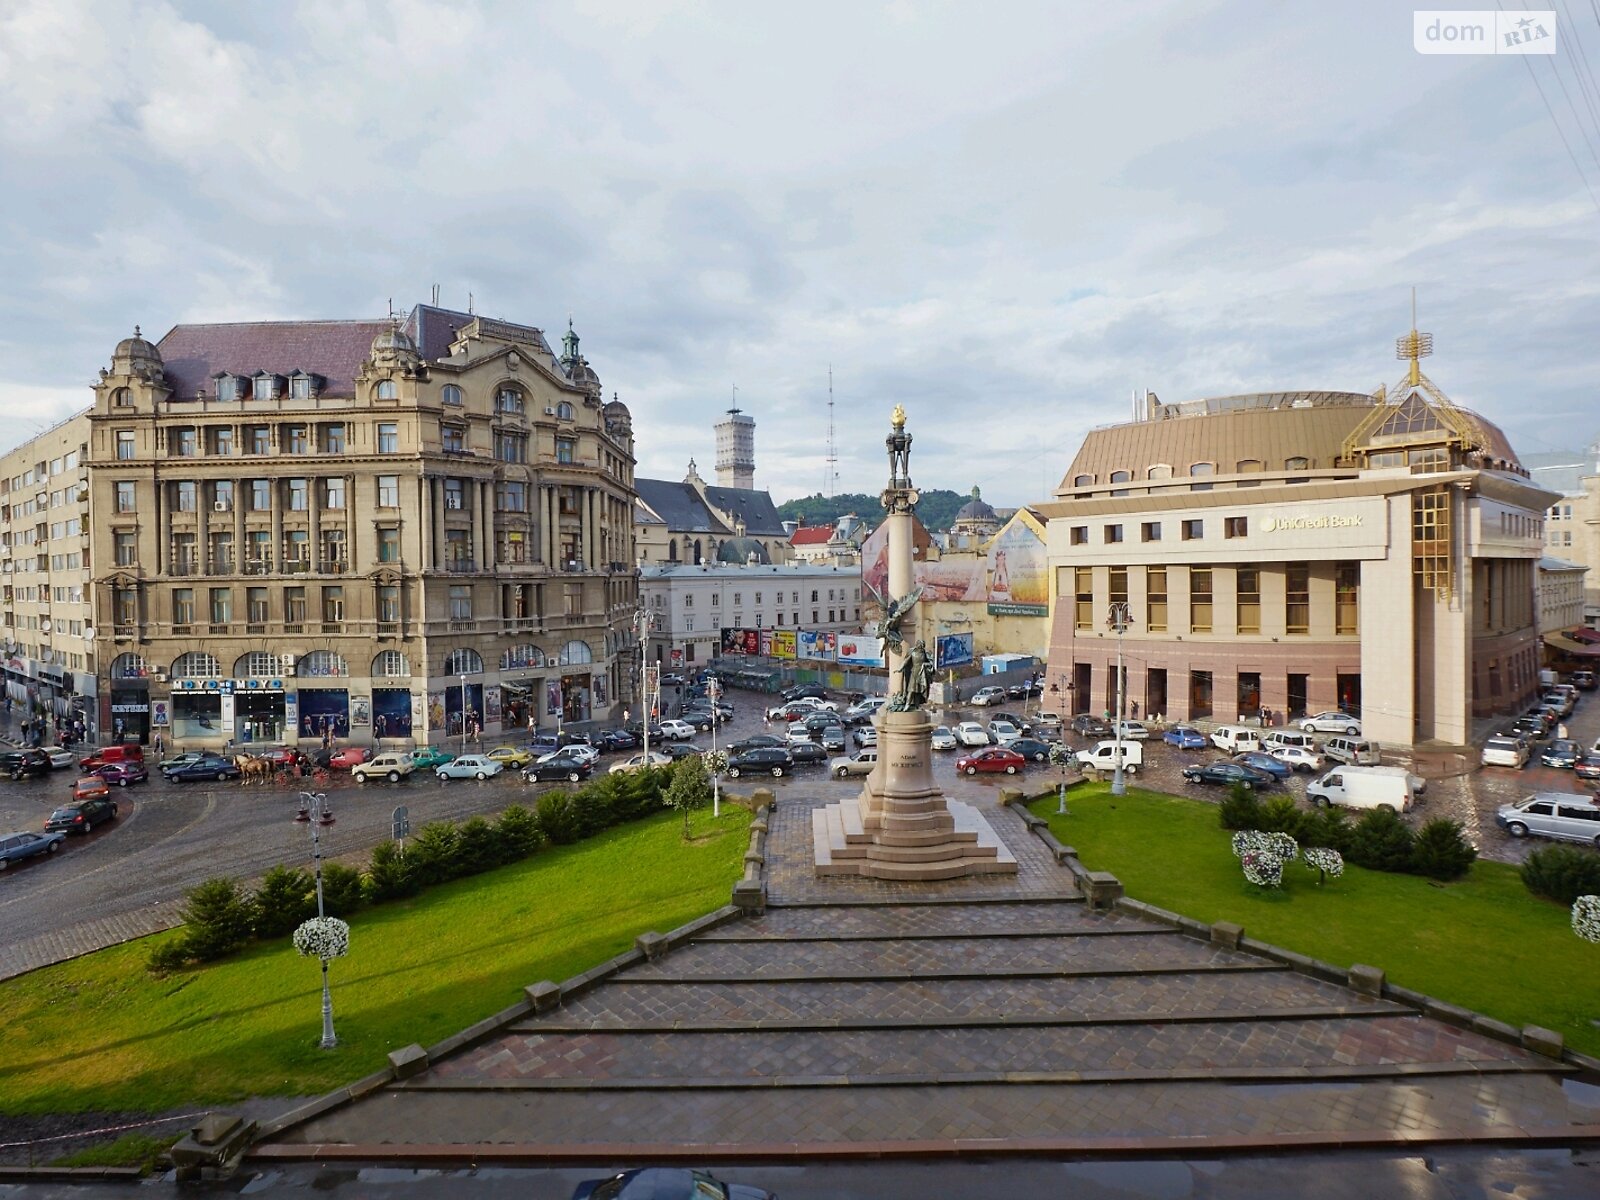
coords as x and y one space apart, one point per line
123 773
349 757
995 758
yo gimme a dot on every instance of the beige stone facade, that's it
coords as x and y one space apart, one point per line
1561 588
1572 533
1301 552
46 623
359 530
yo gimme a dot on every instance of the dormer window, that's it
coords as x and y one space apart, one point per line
1296 464
265 386
303 385
122 398
229 387
386 389
1082 480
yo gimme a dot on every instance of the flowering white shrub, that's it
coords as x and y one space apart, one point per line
1254 841
1586 918
1324 861
716 761
1263 868
323 937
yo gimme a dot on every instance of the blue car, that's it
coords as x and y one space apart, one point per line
14 847
210 767
1184 738
1264 762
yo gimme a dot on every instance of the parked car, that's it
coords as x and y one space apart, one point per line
678 731
1085 725
614 740
1135 730
1354 750
559 766
1297 758
1562 815
986 696
19 764
806 691
123 773
1231 739
701 720
1562 701
1227 773
1003 733
992 759
469 766
819 721
832 737
584 754
678 750
1332 722
1563 752
211 766
1504 752
863 712
510 757
860 763
807 753
1023 727
755 742
90 787
1262 761
1048 720
59 756
178 760
1184 737
81 816
1032 749
544 741
1546 717
943 738
1272 739
1363 787
350 756
970 733
1587 766
788 712
765 760
393 765
666 1183
638 762
796 734
14 847
425 758
1102 756
121 752
864 735
1585 680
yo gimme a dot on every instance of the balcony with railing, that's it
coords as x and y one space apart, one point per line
184 566
459 566
332 566
257 566
221 565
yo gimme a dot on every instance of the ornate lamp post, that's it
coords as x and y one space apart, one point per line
463 712
713 694
1118 619
326 937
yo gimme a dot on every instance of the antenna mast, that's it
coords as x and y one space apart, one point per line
830 478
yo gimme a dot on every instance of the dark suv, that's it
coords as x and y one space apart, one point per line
1085 725
812 691
768 760
21 763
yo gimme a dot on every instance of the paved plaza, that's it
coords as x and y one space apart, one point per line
987 1015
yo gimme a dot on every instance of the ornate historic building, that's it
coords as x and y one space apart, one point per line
375 529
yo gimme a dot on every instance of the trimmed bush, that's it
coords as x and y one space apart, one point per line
590 809
1381 841
435 853
1326 827
519 832
218 917
342 890
389 874
478 847
1279 815
1441 850
1562 873
1241 809
556 818
169 957
286 897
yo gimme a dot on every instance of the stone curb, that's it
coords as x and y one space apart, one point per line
20 1175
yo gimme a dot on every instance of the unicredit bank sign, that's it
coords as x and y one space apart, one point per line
1325 521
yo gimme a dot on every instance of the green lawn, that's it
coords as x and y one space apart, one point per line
1483 942
101 1033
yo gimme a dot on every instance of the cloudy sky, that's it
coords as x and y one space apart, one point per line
1004 216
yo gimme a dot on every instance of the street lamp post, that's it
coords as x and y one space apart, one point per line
463 712
714 693
1118 619
314 811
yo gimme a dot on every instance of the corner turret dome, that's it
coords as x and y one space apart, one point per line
393 340
135 356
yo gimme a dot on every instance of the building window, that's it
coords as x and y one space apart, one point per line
1120 477
260 495
566 450
125 444
1249 584
388 437
333 438
511 447
1235 527
386 389
228 387
262 388
512 497
1155 606
1083 598
1194 530
1150 531
333 492
332 606
564 411
256 610
1248 466
457 550
512 547
391 664
294 608
450 394
122 398
300 387
1347 599
1201 471
183 606
1080 535
1296 464
454 438
183 496
1081 481
460 602
388 604
299 495
258 439
388 491
388 543
297 550
1161 471
126 548
222 440
333 548
1112 534
454 494
1297 594
1117 579
299 440
1200 600
221 606
508 400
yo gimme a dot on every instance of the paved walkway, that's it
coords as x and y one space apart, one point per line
997 1015
79 937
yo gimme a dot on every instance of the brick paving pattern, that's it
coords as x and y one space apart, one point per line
81 937
1000 1009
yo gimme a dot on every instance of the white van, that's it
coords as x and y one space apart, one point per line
1362 787
1565 815
1297 739
1234 739
1354 750
1103 756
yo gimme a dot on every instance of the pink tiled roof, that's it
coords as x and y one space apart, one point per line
333 349
814 535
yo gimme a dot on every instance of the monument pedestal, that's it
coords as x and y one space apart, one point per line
901 826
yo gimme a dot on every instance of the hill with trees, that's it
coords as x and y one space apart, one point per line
936 510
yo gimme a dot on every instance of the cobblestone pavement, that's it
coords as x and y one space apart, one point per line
857 1013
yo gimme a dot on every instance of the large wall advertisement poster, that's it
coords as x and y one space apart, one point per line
860 650
816 643
783 643
952 650
1019 572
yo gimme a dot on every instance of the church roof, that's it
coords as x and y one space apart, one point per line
679 505
755 509
812 535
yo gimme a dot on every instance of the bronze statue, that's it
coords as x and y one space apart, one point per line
916 677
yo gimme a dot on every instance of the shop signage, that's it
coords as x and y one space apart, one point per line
130 708
228 685
1330 521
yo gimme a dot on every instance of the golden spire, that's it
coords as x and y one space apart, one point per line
1413 347
898 416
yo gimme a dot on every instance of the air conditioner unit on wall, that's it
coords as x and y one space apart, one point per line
549 412
222 506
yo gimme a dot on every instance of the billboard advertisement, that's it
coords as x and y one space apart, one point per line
813 643
783 644
959 577
1019 572
741 641
952 650
860 650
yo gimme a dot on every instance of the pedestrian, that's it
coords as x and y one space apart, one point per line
1134 708
161 744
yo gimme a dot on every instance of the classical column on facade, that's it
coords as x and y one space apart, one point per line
901 826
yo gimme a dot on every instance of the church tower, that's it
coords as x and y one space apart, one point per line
736 451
